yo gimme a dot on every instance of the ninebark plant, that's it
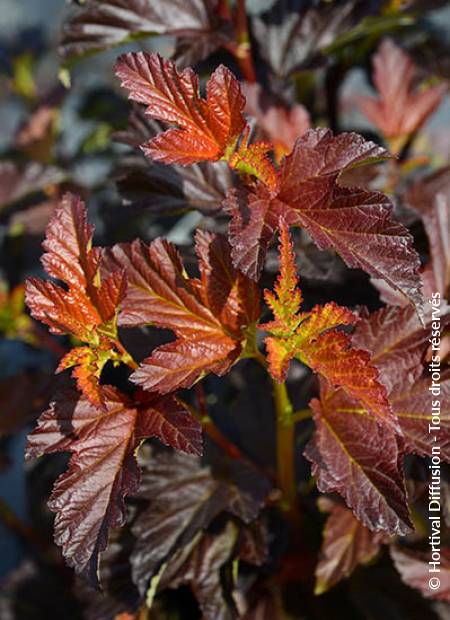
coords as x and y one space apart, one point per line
369 402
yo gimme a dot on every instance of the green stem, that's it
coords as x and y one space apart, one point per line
301 414
285 444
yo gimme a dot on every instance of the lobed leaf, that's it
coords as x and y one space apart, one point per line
312 338
89 497
399 109
184 499
355 222
88 305
354 455
206 127
102 24
210 316
398 344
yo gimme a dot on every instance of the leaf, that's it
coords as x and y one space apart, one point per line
362 460
184 499
206 127
147 184
17 183
399 110
421 194
281 125
355 222
292 35
398 343
415 571
201 569
254 543
312 338
87 307
346 544
210 316
89 497
102 24
436 274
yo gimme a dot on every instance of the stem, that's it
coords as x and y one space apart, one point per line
242 50
126 357
210 428
301 414
285 444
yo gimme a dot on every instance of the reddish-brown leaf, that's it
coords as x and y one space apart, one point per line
210 316
346 544
415 571
362 460
89 497
400 109
101 24
184 499
206 127
398 343
355 222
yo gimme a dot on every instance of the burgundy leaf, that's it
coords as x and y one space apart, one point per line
362 460
89 497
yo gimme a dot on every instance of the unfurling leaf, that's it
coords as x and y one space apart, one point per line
400 109
87 306
312 338
207 128
362 460
346 544
211 317
89 498
355 222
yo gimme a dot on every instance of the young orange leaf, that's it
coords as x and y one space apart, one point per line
312 338
206 127
88 308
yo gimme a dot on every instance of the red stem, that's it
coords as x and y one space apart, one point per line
242 50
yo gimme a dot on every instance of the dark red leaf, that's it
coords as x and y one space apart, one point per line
102 24
346 544
89 497
184 499
362 460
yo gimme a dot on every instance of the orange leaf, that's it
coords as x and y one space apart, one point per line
88 306
206 127
312 338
